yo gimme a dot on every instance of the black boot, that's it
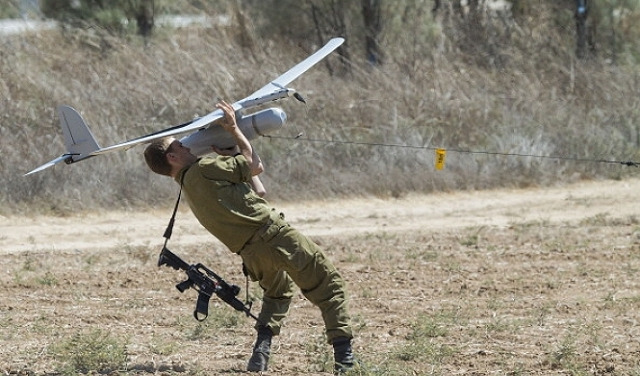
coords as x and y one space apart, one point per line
343 355
261 350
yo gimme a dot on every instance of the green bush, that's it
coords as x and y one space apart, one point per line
114 16
9 9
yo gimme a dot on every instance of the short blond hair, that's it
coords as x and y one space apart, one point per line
156 156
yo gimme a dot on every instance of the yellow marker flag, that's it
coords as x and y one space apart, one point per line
440 154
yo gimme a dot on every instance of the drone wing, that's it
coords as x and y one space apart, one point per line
279 84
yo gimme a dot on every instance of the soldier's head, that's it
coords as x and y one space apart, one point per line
156 156
168 156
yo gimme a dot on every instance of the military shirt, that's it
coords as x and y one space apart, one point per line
220 196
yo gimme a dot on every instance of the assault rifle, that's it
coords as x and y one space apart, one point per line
206 283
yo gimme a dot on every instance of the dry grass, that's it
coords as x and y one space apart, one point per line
547 104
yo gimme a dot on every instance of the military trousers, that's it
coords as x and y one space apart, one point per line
279 257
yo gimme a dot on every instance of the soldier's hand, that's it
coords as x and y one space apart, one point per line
228 121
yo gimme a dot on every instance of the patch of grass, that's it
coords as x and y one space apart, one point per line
9 9
424 350
473 239
44 326
90 260
368 293
605 220
566 356
95 351
48 279
141 253
219 317
600 219
31 264
318 354
422 346
426 255
163 347
31 273
451 266
430 326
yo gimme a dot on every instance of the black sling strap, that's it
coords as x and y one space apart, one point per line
169 230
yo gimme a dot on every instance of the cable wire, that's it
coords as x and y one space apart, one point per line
381 144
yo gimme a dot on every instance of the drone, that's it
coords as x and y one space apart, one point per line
203 131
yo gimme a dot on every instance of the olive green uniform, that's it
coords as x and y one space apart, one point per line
274 254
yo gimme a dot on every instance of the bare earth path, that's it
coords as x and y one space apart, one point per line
503 282
438 211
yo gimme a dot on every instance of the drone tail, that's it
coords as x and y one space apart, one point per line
78 139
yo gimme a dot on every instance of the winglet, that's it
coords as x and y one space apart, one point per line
280 83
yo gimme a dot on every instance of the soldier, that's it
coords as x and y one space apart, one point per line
218 190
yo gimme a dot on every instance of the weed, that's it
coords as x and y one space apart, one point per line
422 255
219 317
429 327
472 240
565 355
140 253
319 354
542 314
600 219
368 293
163 348
49 279
421 345
96 351
30 264
351 257
428 351
90 260
18 278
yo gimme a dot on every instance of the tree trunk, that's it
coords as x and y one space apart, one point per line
372 27
145 17
581 28
330 20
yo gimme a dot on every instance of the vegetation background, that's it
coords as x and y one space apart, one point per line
477 81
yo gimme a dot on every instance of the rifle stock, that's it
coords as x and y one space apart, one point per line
171 259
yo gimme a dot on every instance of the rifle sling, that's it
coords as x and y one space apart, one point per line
169 230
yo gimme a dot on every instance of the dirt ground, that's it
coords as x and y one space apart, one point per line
503 282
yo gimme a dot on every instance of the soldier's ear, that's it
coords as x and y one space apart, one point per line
172 158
